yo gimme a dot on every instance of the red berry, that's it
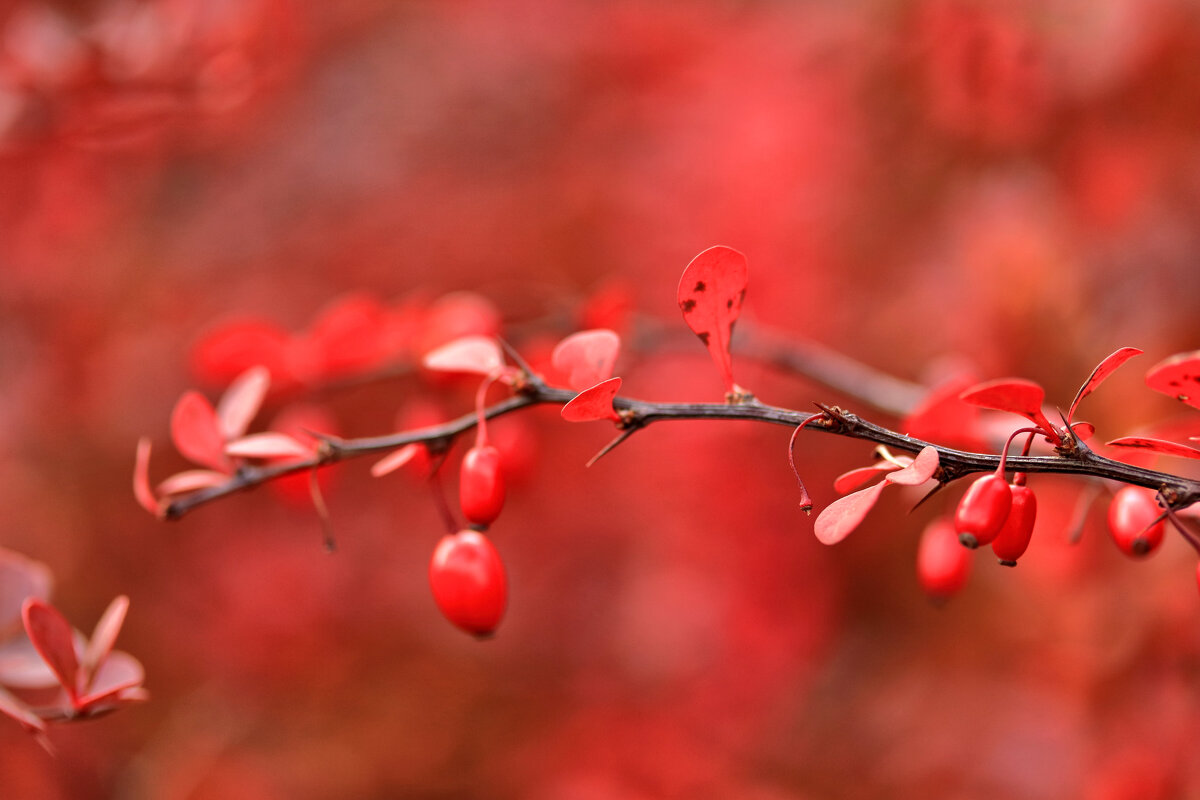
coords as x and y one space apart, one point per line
468 582
1131 521
982 510
942 562
1013 539
481 485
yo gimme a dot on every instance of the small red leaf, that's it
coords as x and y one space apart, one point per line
849 481
1179 377
1105 368
1157 446
51 634
844 514
942 416
345 338
197 433
1012 394
396 459
710 294
20 577
103 639
268 445
229 349
919 471
594 403
474 354
242 400
118 673
141 478
14 708
191 480
1083 430
587 357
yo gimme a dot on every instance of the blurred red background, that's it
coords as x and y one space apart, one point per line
1014 185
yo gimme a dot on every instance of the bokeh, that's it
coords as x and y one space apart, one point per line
1009 188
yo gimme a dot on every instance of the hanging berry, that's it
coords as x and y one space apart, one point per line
468 582
1133 521
1013 539
481 485
942 563
982 510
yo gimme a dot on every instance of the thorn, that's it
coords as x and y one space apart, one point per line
937 488
1079 517
314 488
531 378
622 436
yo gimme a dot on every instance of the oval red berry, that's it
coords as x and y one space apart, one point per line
468 582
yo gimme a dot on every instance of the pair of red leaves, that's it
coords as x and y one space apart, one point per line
1177 376
1025 397
843 515
215 438
93 677
710 295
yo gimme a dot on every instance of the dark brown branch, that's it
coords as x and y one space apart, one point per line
1077 460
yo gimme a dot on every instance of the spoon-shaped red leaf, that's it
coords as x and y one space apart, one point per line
594 403
710 295
587 357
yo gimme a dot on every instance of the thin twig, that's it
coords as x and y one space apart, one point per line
953 464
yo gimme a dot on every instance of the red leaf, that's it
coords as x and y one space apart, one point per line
844 514
14 708
587 357
141 478
1083 430
594 403
117 673
20 577
1157 445
242 400
346 337
473 354
103 639
1179 377
191 480
396 459
710 294
919 471
197 433
849 481
51 634
943 417
458 314
228 350
1012 394
1105 368
268 445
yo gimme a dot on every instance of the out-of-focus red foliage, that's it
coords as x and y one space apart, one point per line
332 190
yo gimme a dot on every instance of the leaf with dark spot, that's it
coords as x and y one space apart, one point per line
710 295
1157 446
1178 377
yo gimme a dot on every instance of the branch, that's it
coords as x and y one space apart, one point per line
1077 459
